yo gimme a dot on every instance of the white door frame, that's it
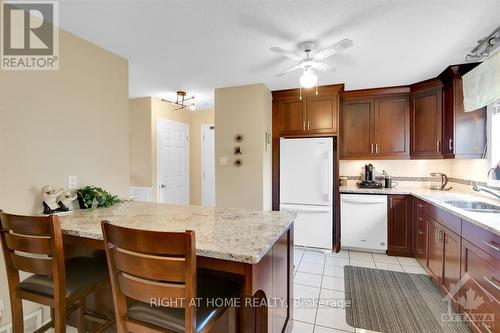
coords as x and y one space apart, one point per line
202 150
158 182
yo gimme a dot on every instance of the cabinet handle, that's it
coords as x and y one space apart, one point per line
371 148
438 146
304 125
492 283
308 125
492 246
420 206
450 144
421 219
420 232
376 148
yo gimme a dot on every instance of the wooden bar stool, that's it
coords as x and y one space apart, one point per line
34 244
153 277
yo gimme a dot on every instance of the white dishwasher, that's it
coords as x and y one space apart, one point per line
363 222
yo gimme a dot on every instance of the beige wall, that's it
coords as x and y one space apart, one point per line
243 110
198 118
144 114
54 124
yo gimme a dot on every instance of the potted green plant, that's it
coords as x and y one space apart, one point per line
87 195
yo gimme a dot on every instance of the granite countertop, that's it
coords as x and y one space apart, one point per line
241 235
487 221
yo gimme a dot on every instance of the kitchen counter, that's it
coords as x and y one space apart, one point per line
240 235
487 221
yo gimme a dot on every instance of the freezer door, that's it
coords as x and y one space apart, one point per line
313 225
306 171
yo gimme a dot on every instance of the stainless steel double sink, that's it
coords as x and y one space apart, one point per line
475 206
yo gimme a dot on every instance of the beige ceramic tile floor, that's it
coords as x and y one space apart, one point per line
319 286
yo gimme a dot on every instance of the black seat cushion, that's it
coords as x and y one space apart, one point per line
208 287
81 273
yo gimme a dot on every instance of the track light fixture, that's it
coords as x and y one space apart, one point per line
485 47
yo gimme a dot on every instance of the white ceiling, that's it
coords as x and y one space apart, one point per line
199 45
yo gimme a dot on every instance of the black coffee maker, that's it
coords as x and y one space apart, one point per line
369 173
369 179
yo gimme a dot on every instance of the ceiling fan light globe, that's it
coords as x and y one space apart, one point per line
308 79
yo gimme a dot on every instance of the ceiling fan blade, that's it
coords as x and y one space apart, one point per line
291 69
288 54
321 66
334 48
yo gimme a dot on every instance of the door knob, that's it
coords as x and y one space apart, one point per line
163 186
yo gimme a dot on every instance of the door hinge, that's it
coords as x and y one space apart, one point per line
187 138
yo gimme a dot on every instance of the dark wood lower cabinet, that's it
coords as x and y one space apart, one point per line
463 260
399 229
451 269
480 290
435 253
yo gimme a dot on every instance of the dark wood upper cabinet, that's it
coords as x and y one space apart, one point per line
399 229
311 115
375 124
426 120
356 135
322 114
292 114
392 127
464 133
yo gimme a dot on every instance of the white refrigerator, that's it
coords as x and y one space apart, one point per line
306 187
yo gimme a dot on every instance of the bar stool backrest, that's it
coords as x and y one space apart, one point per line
157 268
33 244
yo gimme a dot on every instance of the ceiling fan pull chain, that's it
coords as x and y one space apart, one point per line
316 89
300 92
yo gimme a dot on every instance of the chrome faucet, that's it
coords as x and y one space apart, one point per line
487 190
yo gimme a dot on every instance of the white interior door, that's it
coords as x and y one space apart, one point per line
173 162
208 165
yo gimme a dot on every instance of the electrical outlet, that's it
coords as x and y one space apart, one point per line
2 309
72 182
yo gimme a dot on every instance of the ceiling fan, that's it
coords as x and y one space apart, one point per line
310 63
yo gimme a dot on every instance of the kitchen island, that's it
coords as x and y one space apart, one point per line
256 246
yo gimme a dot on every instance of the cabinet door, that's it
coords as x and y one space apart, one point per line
480 291
392 127
357 128
420 232
448 120
435 251
399 226
426 124
451 272
292 115
322 114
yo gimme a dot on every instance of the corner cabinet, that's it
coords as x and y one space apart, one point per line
313 114
375 125
426 120
464 133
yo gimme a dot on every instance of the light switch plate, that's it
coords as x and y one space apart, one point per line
223 160
72 182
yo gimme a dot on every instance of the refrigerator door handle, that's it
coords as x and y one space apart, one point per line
329 176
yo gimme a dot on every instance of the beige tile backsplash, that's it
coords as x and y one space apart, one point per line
475 170
397 168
